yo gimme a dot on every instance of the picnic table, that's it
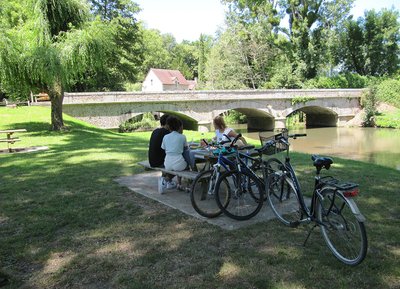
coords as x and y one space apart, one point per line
10 138
203 156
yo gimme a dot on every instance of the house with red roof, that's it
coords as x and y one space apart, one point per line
165 80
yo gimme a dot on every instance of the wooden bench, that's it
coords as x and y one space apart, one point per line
190 175
10 140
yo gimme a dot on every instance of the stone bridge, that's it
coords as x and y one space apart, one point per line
265 109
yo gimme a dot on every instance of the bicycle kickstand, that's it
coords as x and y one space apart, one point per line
308 235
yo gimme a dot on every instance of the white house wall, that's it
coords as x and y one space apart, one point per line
152 83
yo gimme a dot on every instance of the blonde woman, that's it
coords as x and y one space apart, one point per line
222 132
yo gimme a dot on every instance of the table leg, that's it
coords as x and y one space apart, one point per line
9 143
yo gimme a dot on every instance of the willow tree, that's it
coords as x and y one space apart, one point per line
47 45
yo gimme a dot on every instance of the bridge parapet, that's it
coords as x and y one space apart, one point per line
265 109
112 97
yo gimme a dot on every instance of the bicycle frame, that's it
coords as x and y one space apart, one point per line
308 210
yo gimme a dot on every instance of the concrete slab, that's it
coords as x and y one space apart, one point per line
146 185
24 150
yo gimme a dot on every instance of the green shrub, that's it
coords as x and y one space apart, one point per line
369 102
143 122
129 86
389 91
347 80
355 80
233 117
285 77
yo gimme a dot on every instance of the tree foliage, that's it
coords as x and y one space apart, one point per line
310 23
123 65
370 45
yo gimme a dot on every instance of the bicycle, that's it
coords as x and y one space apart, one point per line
246 194
203 194
332 207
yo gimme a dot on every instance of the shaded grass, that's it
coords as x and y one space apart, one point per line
64 223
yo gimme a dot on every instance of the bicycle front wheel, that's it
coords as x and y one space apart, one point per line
283 199
202 194
245 195
344 234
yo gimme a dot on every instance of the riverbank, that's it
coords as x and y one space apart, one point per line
64 222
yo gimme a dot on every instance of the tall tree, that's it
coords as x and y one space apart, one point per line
124 64
382 38
203 52
155 53
185 59
370 45
308 22
50 45
352 50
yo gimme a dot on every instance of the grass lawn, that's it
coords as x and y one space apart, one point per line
64 223
388 119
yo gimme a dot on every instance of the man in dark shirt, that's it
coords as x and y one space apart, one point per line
156 153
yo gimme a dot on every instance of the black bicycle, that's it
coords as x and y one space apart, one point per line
332 206
234 185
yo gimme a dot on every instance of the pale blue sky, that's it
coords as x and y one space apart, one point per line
187 19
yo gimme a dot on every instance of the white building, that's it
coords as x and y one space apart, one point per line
165 80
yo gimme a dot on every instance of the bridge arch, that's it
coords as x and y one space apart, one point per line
189 123
257 119
316 116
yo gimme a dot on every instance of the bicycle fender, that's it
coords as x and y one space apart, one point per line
354 209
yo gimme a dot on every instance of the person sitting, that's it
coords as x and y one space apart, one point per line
224 133
174 145
156 154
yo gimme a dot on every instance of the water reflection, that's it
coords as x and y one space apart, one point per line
379 146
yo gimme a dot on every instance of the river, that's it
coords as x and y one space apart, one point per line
378 146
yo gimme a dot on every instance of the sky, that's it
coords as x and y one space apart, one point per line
187 19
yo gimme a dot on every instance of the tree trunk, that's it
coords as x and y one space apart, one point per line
56 94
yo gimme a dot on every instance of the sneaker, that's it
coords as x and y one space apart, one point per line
162 185
171 185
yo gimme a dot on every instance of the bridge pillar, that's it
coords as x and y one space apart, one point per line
259 123
343 119
204 126
280 122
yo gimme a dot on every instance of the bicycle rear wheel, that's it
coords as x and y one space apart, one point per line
274 165
245 196
202 195
344 234
283 199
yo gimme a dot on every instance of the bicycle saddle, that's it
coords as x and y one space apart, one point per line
322 161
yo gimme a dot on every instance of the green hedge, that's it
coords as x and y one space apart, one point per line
139 123
389 91
347 80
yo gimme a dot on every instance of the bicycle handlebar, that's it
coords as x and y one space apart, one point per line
235 139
